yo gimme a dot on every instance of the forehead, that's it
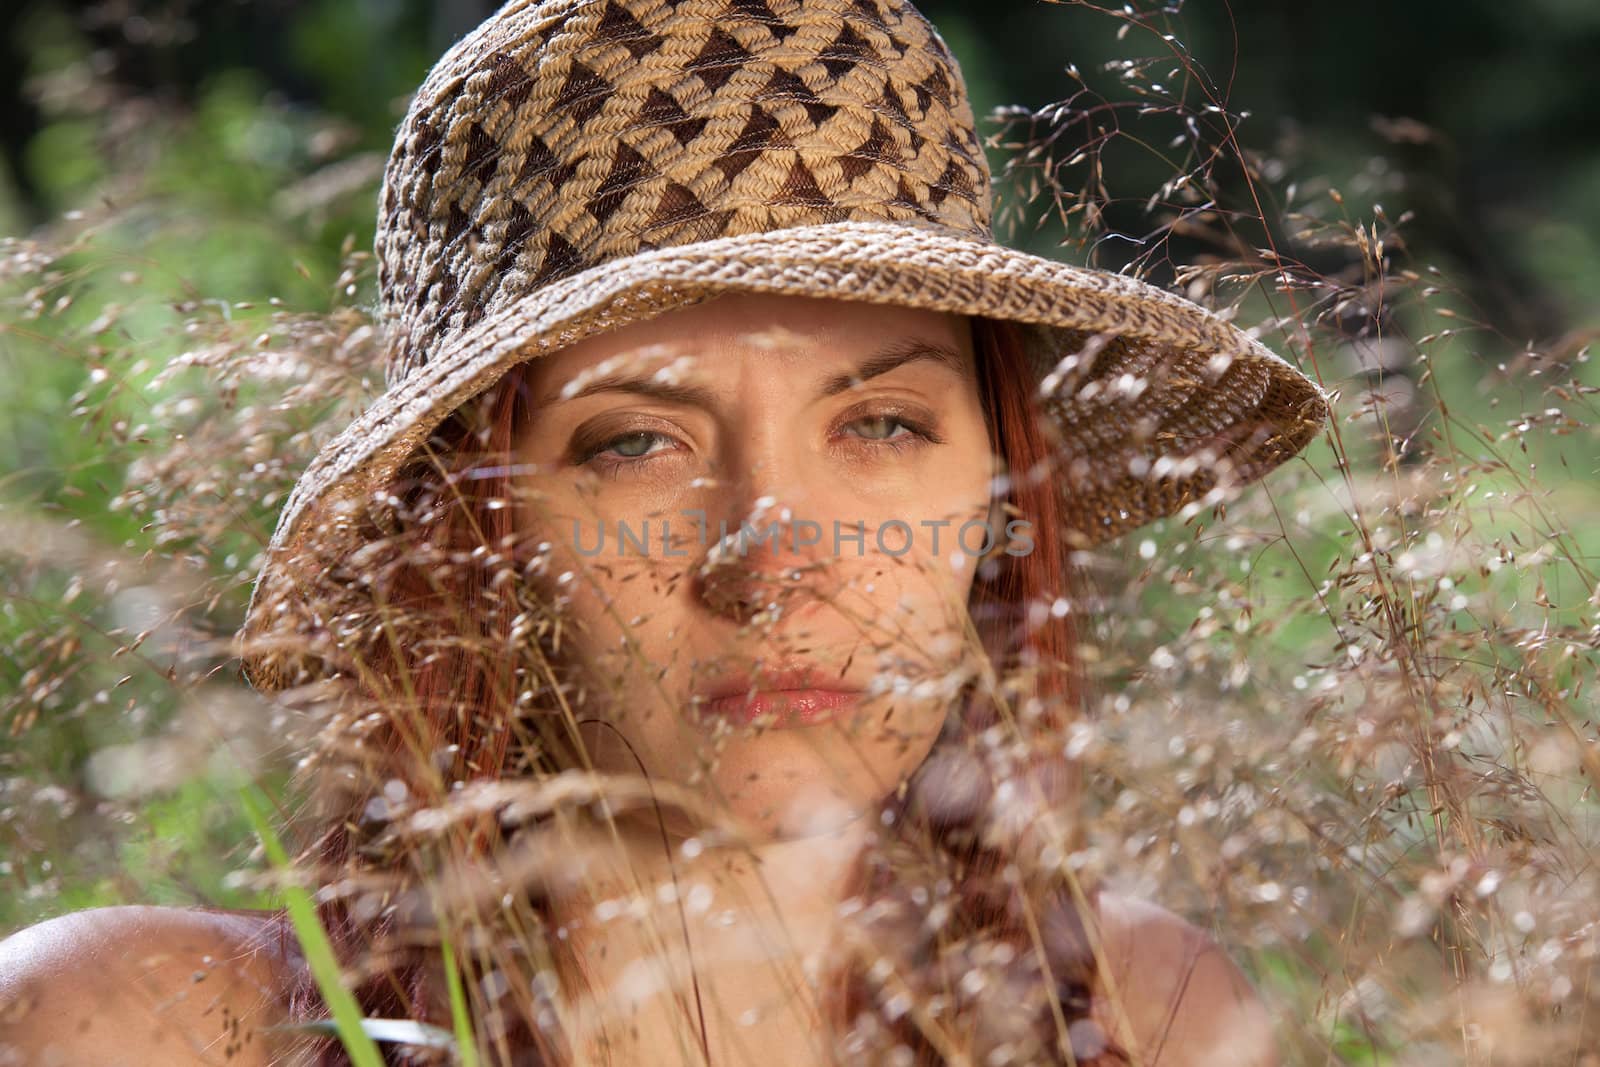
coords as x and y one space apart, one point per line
798 333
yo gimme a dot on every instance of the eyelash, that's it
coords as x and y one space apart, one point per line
918 434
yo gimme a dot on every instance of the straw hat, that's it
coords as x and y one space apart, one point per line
575 165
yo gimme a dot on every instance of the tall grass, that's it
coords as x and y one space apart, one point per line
1347 720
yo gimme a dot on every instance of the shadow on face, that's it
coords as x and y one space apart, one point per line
764 514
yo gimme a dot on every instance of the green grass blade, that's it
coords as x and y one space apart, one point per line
314 941
466 1047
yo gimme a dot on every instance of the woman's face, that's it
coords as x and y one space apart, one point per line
797 671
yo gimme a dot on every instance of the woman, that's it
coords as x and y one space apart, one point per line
692 614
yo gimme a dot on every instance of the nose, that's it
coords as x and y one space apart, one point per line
769 571
766 546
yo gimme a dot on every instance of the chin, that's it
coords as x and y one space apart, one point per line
811 809
798 789
775 783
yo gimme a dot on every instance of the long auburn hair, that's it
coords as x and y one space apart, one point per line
447 713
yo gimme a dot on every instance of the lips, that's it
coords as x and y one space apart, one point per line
788 697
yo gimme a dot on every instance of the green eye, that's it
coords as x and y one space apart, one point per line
891 430
633 445
623 450
878 427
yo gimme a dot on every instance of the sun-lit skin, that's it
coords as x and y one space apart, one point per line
772 415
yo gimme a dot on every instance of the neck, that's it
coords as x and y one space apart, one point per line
708 938
793 874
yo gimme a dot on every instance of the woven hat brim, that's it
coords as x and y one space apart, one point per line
1210 376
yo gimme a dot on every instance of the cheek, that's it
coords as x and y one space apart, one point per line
603 558
918 567
621 613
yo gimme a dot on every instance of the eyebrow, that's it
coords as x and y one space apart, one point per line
892 357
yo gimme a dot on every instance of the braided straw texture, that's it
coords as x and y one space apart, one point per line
563 135
576 165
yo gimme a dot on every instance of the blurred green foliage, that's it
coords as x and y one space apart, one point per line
228 179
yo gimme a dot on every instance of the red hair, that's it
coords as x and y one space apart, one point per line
464 704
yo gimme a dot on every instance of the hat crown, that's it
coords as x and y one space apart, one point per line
564 134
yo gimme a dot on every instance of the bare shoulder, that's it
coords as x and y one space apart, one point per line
145 985
1173 997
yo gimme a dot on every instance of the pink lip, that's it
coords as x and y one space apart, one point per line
782 707
782 698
